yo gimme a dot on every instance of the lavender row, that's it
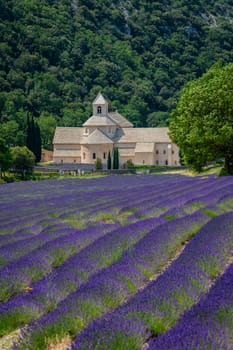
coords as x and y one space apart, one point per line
155 309
10 287
187 203
33 241
19 274
23 210
54 287
37 271
113 285
12 251
207 325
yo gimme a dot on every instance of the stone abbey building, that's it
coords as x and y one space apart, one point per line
104 131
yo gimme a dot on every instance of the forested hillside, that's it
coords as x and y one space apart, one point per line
55 55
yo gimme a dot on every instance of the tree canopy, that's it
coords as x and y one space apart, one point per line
5 157
55 56
23 160
202 123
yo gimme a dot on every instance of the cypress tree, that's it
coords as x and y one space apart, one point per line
109 163
115 158
33 138
37 143
29 142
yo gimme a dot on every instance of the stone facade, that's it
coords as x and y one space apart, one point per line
104 131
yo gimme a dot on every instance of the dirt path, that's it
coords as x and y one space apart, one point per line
7 341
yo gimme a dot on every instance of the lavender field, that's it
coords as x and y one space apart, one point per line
139 262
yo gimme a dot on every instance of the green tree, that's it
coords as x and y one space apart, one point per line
98 164
201 124
29 134
37 143
9 131
5 157
128 164
47 124
109 162
157 119
33 139
115 158
23 160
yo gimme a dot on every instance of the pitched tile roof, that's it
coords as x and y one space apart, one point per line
100 100
67 135
141 135
99 121
145 147
120 120
97 137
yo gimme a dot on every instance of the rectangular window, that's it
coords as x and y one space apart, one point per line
104 155
157 152
164 151
94 156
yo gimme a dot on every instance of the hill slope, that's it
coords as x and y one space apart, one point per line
56 55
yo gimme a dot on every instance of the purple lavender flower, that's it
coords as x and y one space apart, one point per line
159 305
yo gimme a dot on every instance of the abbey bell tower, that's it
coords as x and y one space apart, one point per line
100 106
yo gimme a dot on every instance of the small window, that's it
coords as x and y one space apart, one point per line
173 152
157 162
104 155
61 160
93 155
166 162
86 131
164 151
157 152
99 110
74 160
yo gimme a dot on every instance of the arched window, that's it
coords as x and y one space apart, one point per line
99 110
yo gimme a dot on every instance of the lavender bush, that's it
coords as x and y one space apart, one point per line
208 325
75 250
157 307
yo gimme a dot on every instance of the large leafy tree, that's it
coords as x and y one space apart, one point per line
23 160
202 123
